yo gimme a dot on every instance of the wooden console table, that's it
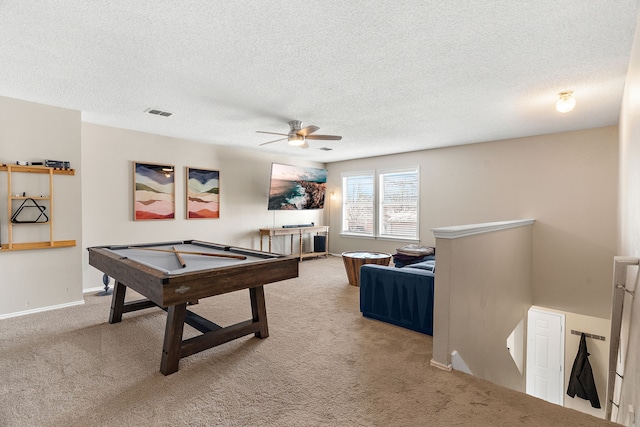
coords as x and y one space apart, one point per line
300 232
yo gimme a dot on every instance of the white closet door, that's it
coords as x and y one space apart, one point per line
545 355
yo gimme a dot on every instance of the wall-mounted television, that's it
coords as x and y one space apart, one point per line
296 187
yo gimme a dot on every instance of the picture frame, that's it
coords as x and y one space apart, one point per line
153 191
202 193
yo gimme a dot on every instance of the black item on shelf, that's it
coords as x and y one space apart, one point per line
319 243
23 206
57 164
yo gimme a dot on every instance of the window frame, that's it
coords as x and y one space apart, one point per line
380 210
345 176
377 211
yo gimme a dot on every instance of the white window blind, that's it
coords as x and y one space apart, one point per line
398 203
381 203
358 204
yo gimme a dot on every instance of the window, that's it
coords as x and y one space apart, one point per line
385 207
358 203
398 206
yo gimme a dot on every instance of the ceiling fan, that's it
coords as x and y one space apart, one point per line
298 136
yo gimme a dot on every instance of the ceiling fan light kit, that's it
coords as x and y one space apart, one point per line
298 136
296 140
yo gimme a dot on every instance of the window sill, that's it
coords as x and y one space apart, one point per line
398 239
357 236
389 238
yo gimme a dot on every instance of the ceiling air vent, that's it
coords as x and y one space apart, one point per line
158 112
325 148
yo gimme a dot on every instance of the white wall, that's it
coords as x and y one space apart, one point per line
567 182
35 279
107 158
482 292
629 226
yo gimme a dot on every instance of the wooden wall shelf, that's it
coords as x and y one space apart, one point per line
38 245
22 246
37 169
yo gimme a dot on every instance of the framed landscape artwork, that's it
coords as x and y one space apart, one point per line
296 187
203 193
153 191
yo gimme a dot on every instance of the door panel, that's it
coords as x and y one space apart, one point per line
545 355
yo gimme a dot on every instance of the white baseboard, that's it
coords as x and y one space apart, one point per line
96 289
39 310
442 366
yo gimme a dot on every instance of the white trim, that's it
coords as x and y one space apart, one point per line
458 231
357 174
368 172
378 193
440 366
96 289
40 310
358 236
368 237
376 176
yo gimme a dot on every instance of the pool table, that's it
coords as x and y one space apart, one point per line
173 275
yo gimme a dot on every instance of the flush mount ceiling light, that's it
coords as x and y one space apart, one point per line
295 139
566 102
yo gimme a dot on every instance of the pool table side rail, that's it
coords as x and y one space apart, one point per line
216 246
166 290
228 279
137 276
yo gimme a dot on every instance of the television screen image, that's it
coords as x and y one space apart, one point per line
296 187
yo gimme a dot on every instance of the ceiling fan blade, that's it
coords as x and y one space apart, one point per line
326 137
306 131
275 140
272 133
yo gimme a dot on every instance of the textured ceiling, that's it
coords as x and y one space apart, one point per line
389 76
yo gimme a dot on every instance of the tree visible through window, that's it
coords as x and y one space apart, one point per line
388 209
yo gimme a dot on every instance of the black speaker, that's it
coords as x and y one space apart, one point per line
319 243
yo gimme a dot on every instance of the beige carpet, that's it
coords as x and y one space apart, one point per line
323 365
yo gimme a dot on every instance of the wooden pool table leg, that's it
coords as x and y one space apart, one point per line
117 303
173 338
259 311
